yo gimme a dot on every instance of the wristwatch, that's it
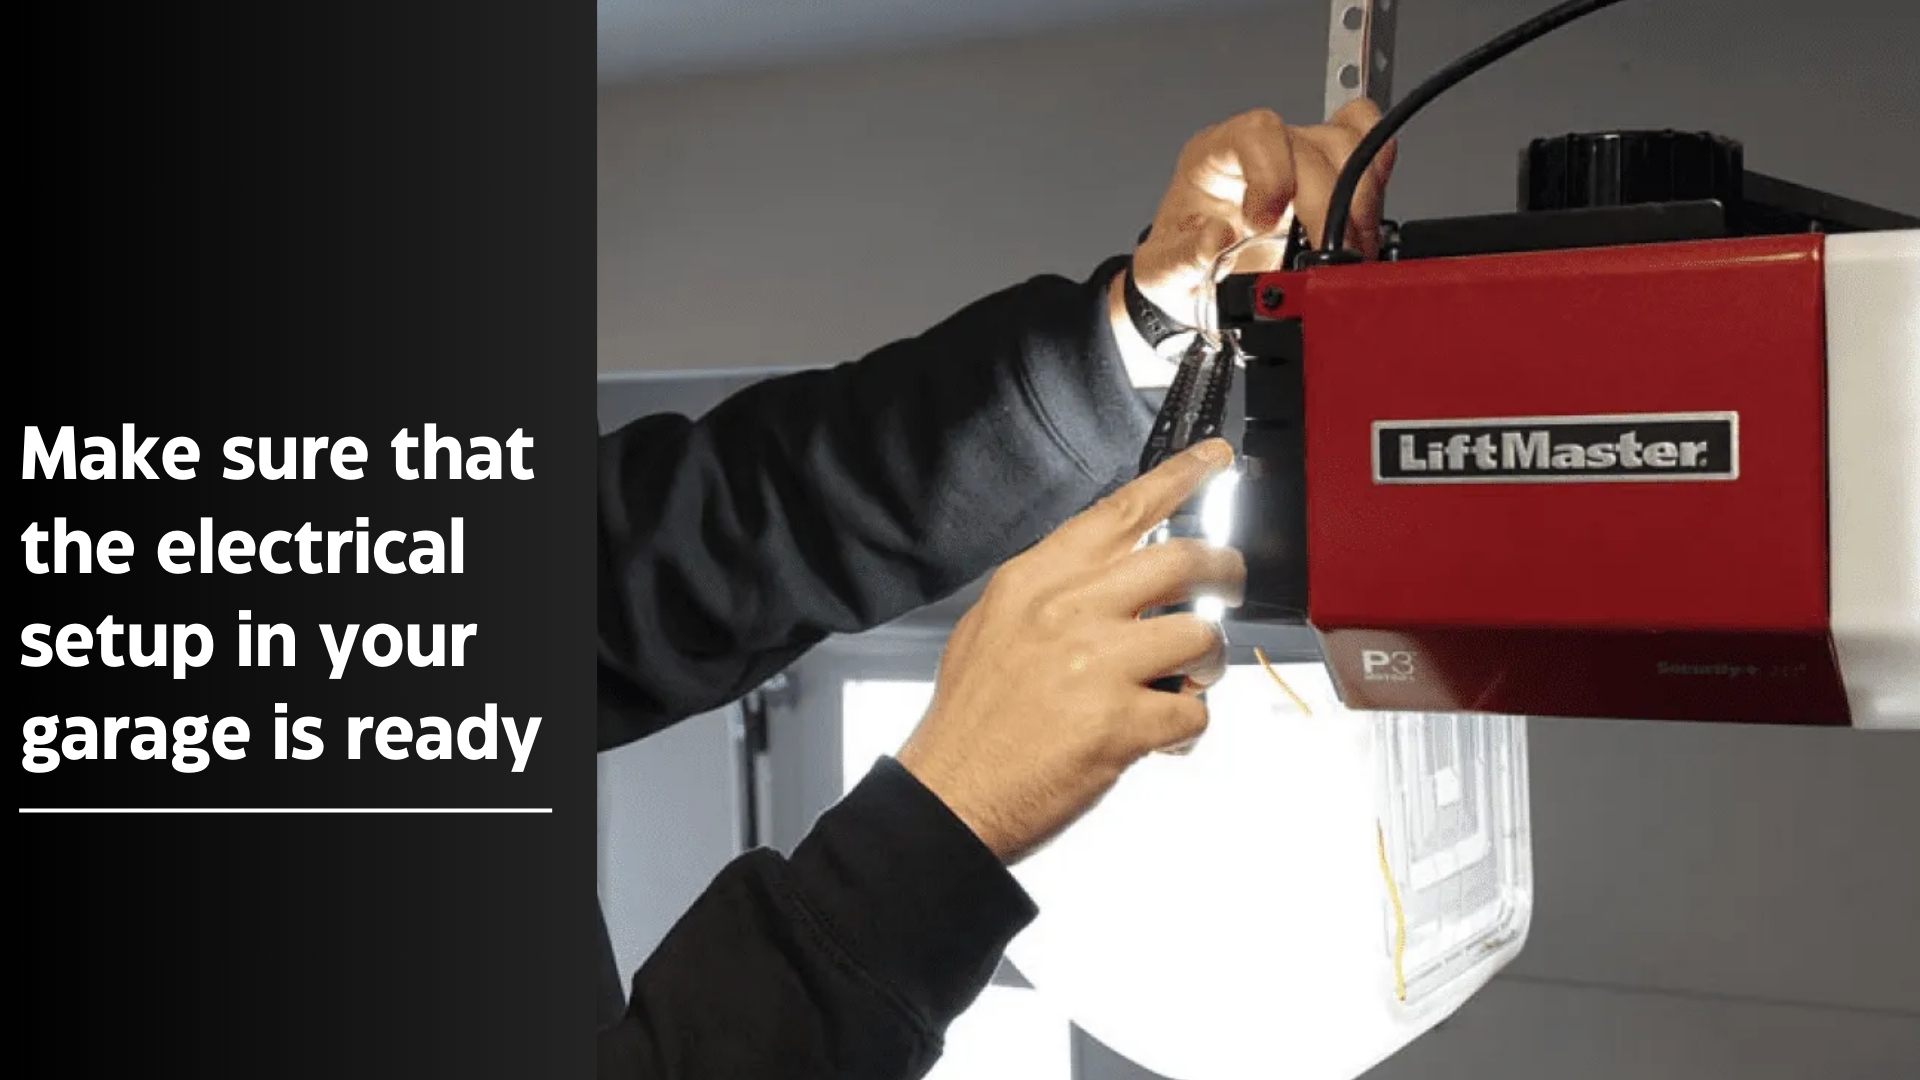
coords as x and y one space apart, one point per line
1149 319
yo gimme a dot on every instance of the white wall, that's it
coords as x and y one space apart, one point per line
1713 901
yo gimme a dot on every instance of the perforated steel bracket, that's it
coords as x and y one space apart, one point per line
1360 52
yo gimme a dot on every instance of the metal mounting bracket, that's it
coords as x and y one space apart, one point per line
1360 52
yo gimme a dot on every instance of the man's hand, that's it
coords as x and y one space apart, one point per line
1236 180
1042 699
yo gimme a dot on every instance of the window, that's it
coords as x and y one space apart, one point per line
1010 1031
876 716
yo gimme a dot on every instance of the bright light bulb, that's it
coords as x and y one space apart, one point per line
1216 528
1216 508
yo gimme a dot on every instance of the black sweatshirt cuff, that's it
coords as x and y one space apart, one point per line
1106 421
910 893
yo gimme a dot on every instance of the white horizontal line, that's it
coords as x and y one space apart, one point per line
287 810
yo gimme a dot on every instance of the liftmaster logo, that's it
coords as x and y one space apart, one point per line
1558 449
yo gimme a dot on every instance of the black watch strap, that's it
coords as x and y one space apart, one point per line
1152 322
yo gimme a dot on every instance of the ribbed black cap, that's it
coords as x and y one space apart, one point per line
1625 168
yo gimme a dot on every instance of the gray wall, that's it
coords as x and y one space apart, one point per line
1713 902
769 220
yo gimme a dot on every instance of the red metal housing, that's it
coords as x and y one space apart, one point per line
1691 597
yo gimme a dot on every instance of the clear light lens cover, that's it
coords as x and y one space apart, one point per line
1456 843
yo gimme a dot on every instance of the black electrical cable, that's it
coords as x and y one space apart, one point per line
1333 245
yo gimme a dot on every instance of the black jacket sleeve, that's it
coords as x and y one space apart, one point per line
845 962
833 501
828 502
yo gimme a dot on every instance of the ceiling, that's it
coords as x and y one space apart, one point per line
651 39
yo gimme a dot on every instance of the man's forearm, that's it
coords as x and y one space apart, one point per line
847 960
832 501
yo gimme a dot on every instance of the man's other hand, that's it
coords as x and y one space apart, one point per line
1235 180
1043 698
